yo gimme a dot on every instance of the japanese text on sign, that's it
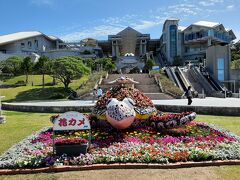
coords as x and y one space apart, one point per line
71 121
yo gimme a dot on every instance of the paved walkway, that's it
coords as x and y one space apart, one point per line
207 102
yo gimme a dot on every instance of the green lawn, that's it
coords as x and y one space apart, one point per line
231 123
36 79
36 92
20 124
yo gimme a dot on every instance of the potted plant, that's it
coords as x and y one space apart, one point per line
71 146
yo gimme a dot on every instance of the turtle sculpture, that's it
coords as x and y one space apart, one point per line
122 105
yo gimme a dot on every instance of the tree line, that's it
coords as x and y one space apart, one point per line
235 64
65 69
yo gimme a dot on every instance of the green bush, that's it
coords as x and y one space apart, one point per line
57 95
89 85
167 84
22 83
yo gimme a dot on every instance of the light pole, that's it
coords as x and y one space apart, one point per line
2 118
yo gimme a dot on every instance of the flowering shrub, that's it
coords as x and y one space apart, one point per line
193 142
120 93
168 116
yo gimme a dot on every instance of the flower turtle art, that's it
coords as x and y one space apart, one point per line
123 106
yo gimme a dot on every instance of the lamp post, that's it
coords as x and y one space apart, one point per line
2 118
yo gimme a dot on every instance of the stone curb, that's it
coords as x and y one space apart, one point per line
208 110
119 166
46 109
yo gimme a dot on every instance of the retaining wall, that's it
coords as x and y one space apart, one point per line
208 110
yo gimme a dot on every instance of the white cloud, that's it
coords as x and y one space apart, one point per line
186 9
97 31
42 2
112 25
151 18
230 7
145 25
237 34
210 2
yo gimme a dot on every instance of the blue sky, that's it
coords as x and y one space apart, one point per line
74 20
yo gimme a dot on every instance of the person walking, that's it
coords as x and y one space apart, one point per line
94 94
99 92
189 95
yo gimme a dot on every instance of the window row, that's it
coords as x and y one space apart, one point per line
29 44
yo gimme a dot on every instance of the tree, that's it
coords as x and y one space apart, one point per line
89 63
67 69
86 52
43 67
109 66
105 63
148 65
235 64
13 65
27 66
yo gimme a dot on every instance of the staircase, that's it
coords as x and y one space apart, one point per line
199 82
146 84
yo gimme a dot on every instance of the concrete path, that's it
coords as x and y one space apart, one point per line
207 102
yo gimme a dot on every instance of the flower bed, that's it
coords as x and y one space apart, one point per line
193 142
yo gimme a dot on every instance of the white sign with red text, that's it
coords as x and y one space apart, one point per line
71 121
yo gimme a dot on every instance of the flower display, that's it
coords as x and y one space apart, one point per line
120 93
193 142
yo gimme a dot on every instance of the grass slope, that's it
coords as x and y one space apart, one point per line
36 79
36 92
167 84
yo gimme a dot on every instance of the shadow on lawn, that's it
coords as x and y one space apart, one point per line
42 94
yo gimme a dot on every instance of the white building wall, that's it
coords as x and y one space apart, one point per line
16 47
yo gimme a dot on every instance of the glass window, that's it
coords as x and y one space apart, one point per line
220 69
173 40
36 43
29 44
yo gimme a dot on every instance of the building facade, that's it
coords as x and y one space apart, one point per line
190 43
218 64
26 43
128 41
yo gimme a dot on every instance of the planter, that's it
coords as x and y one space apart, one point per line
71 149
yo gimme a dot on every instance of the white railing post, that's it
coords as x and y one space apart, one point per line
203 93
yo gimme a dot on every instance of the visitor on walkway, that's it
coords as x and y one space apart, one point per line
94 94
99 92
188 94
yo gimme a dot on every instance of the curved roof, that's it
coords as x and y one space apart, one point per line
206 24
8 38
181 28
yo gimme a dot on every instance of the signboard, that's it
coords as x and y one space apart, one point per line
71 121
155 68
